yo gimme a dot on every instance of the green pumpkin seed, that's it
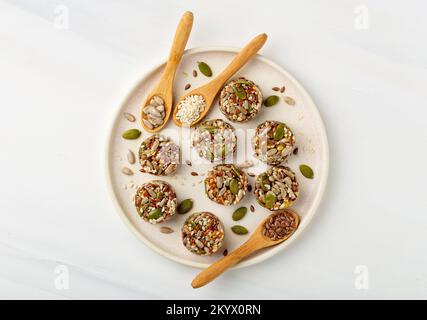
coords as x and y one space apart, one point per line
239 229
240 93
155 214
131 134
239 213
205 69
279 132
234 186
271 101
306 171
185 206
270 200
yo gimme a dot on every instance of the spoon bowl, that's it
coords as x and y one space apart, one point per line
257 241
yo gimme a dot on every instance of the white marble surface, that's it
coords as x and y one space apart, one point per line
60 88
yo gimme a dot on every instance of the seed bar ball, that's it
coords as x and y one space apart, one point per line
276 188
203 233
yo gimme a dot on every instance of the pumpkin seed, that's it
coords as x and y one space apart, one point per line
270 200
289 100
279 132
185 206
271 101
306 171
166 230
131 134
234 186
205 69
129 117
131 157
240 93
239 229
235 170
155 214
239 213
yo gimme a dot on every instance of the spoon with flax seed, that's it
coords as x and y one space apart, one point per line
275 229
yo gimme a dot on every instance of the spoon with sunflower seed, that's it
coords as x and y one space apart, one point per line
275 229
194 106
157 107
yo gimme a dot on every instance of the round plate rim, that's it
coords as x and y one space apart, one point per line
271 251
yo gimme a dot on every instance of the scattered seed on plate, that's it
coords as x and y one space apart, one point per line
282 89
185 206
250 174
239 230
205 69
246 164
131 134
131 157
273 142
187 86
252 208
129 117
290 101
240 100
271 101
277 188
239 213
127 171
166 230
194 174
295 152
194 73
214 140
188 162
276 89
249 188
225 252
155 201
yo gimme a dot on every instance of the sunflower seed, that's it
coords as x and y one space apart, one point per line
290 101
131 157
129 117
127 171
166 230
148 124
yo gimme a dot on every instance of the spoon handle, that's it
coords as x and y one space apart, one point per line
241 59
182 34
218 267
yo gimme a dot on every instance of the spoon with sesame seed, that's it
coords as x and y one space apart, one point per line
194 106
276 228
158 105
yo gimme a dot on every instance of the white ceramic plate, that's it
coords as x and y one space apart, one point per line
303 118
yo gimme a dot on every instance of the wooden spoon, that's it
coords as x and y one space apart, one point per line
256 242
210 90
165 85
